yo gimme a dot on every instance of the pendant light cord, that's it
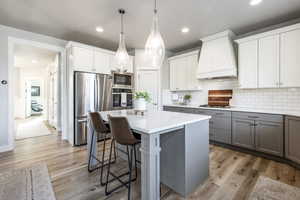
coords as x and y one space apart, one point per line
122 12
155 8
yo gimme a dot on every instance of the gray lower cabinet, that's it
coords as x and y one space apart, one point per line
292 138
269 137
243 131
260 132
255 131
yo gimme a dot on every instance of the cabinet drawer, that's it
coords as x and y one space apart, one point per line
203 112
178 109
226 114
258 116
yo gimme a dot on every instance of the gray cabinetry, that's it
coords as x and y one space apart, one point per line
292 139
269 137
262 132
178 109
243 133
221 126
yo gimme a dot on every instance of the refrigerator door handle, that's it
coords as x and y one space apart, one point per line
96 106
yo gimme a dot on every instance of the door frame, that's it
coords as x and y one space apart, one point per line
12 41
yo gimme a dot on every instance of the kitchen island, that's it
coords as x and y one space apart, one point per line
174 150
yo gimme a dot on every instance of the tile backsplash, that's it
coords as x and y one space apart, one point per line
275 99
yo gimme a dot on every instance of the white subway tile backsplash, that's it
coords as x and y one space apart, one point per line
277 99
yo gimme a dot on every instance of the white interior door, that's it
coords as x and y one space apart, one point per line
149 81
27 98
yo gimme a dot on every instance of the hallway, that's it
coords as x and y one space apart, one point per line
32 127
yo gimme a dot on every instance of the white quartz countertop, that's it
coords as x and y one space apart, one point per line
294 113
155 121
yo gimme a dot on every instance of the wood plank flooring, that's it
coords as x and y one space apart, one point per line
232 174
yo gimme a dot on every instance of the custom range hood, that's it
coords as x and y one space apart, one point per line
217 57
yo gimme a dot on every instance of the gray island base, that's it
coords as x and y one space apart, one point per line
174 150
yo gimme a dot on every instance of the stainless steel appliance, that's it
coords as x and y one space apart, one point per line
122 80
92 93
122 98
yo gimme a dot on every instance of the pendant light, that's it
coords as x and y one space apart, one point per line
155 47
122 57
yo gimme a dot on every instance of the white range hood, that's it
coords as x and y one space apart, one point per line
217 56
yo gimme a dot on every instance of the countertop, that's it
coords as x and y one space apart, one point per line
155 121
293 113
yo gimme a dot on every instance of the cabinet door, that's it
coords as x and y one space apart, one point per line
191 72
268 62
248 62
243 133
269 137
221 125
292 138
101 62
149 81
173 75
83 59
290 59
178 74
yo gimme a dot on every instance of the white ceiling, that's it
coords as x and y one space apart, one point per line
25 55
76 20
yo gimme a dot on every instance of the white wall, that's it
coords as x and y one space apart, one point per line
5 32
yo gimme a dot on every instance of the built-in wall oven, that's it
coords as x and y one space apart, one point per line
122 98
122 80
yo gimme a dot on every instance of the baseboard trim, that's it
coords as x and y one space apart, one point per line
6 148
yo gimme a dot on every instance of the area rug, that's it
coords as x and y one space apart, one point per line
269 189
32 183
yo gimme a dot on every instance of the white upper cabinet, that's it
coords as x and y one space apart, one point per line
183 72
290 59
248 64
83 59
101 62
270 59
268 62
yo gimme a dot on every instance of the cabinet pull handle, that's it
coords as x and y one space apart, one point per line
253 117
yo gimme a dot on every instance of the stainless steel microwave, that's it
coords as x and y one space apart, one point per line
123 80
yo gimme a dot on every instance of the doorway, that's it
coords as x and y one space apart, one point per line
36 91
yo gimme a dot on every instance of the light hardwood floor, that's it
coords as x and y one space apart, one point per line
232 174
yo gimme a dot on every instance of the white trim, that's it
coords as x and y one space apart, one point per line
227 33
6 148
268 33
196 52
61 50
93 48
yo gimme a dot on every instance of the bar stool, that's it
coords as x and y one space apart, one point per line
99 127
123 135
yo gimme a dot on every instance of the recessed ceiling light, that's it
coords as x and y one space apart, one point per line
99 29
185 30
255 2
34 61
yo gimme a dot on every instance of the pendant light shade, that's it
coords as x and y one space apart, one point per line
122 57
155 46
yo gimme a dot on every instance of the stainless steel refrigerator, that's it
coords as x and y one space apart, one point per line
92 93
